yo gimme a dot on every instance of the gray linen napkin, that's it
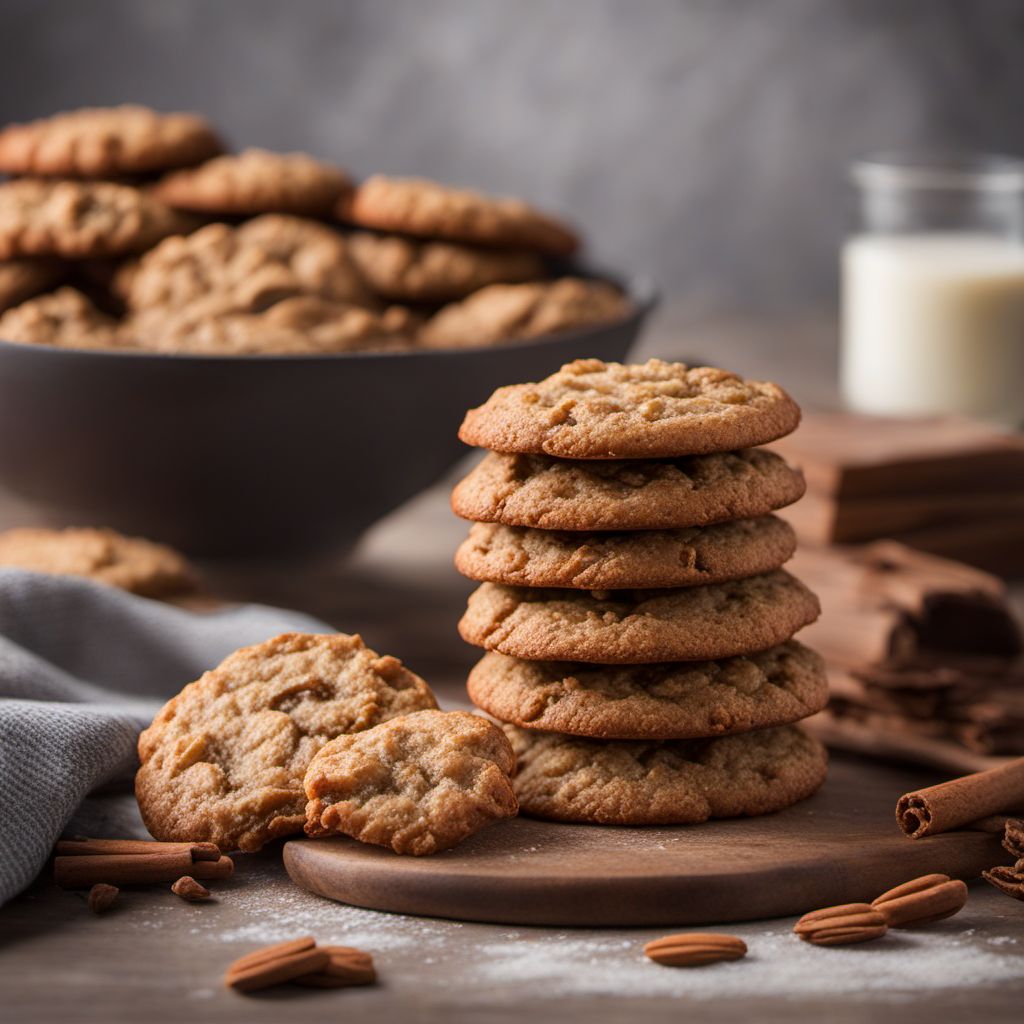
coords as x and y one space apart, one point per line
83 668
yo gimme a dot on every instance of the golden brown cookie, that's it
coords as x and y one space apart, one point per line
503 312
416 206
632 627
417 784
131 563
255 181
564 494
407 270
21 279
677 782
105 142
595 410
680 700
79 219
521 556
65 318
223 761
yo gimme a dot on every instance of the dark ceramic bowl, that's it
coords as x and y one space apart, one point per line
253 456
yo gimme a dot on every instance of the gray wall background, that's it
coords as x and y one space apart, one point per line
703 142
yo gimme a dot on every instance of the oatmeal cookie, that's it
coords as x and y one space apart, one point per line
223 761
630 627
65 318
255 181
106 142
427 209
564 494
595 410
131 563
680 700
521 556
418 784
502 312
677 782
21 279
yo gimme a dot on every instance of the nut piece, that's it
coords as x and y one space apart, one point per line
693 950
839 926
189 889
921 901
101 897
347 966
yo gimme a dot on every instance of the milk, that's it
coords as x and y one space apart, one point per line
934 323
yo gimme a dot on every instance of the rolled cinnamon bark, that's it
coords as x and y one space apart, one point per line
132 869
128 847
961 801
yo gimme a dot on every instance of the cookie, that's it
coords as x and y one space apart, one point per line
131 563
104 142
407 270
417 784
21 279
631 627
521 556
678 782
223 762
255 181
563 494
595 410
79 219
416 206
678 700
65 318
502 312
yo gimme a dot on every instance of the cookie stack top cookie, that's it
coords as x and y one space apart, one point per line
637 619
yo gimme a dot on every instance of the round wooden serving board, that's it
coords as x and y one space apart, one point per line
840 846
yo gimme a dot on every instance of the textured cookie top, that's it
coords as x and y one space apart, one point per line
20 279
416 206
256 181
418 784
521 556
502 312
563 494
223 761
625 627
100 142
674 782
595 410
408 270
65 318
131 563
77 219
663 701
245 269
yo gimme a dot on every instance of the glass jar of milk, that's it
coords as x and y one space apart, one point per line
933 289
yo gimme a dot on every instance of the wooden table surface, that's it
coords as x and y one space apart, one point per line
158 959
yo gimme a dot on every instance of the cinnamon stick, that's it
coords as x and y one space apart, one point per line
82 872
138 847
961 801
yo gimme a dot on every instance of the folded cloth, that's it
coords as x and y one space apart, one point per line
83 669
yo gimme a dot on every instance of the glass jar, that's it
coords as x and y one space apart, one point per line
933 288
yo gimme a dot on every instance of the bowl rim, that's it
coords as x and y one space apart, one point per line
643 294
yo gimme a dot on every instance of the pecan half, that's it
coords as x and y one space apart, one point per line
921 901
189 889
101 897
693 950
839 926
347 966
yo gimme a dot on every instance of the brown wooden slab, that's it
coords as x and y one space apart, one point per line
838 847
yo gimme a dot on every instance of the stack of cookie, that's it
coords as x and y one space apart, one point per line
638 623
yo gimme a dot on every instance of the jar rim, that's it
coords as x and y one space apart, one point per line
950 170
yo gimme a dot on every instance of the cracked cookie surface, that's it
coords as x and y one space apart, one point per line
675 782
417 784
621 627
526 557
223 761
564 494
64 318
595 410
653 702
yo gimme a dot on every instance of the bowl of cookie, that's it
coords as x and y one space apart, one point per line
251 353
